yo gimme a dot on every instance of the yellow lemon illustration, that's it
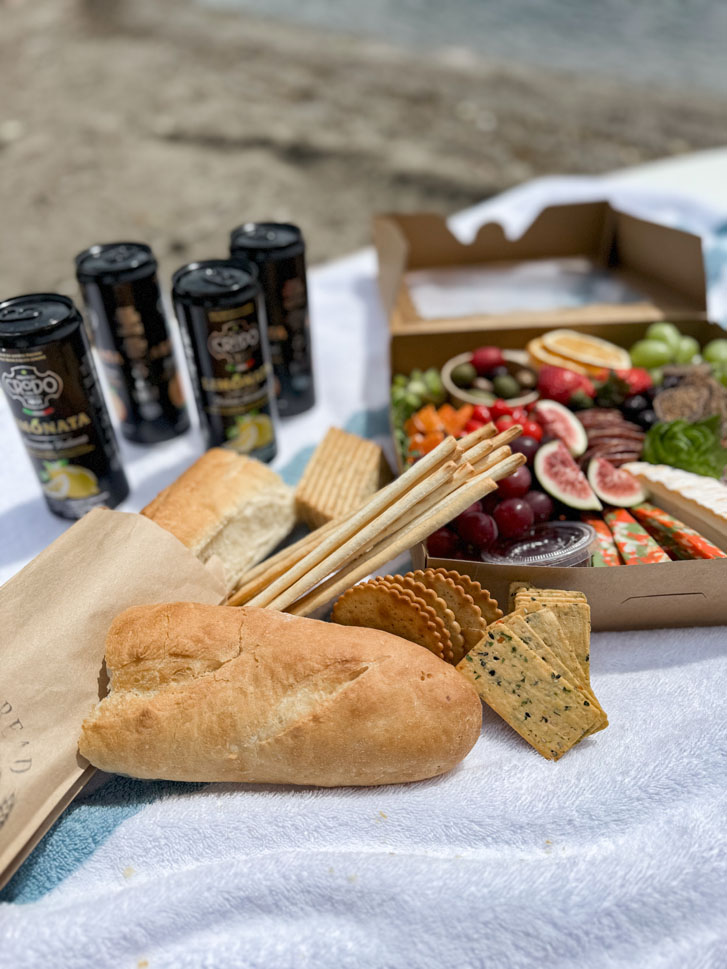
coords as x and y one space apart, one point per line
264 429
246 438
72 481
58 487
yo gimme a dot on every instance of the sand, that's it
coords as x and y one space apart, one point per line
170 123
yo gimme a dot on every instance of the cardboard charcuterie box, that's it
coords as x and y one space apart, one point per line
444 297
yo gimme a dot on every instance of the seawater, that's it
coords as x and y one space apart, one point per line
669 43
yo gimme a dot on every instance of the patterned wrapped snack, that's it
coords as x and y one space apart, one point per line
605 552
681 541
634 543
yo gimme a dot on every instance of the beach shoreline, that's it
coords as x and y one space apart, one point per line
171 123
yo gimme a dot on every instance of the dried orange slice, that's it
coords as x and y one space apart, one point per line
586 350
542 358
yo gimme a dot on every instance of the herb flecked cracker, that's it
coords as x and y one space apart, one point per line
516 622
529 694
574 618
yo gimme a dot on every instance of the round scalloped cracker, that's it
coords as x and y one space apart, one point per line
448 617
428 600
376 605
488 606
468 613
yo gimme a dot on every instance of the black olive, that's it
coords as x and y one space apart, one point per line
670 381
647 419
634 405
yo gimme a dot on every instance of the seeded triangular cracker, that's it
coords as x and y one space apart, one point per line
516 622
545 709
448 617
544 623
574 620
481 597
379 606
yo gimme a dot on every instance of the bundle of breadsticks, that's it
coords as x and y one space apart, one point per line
310 573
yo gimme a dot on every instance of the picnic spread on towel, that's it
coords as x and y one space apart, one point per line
410 649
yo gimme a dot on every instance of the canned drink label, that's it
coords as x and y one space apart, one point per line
56 405
237 388
133 342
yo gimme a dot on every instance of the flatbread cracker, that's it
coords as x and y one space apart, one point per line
517 623
379 606
527 587
541 705
421 591
574 619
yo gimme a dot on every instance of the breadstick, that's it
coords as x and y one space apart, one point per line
342 546
407 536
259 578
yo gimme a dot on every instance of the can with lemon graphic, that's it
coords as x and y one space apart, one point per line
222 321
49 380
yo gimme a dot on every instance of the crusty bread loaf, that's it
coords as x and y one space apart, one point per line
227 505
214 693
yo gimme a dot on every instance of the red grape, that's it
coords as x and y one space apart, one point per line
473 425
473 509
515 485
490 502
478 529
541 504
527 446
485 359
442 544
532 429
519 415
514 517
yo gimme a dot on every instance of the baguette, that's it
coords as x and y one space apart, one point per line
227 505
217 693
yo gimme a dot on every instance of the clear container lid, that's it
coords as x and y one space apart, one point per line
558 544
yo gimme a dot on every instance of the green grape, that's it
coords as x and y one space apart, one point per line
715 351
666 333
650 353
687 349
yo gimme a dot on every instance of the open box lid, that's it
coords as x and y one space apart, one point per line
661 268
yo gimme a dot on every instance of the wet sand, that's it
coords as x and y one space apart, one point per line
170 123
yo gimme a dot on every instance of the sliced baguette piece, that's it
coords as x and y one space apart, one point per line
215 693
228 505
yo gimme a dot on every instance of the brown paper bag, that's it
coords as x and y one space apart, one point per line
54 616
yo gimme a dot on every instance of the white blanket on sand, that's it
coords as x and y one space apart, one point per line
614 857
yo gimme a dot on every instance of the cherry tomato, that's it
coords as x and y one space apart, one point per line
532 429
502 423
500 408
481 413
519 414
473 425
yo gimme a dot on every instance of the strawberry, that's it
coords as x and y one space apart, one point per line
637 378
559 384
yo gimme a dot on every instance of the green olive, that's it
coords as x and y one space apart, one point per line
506 386
463 375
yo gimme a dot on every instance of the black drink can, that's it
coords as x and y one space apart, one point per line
278 250
222 321
130 331
48 376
